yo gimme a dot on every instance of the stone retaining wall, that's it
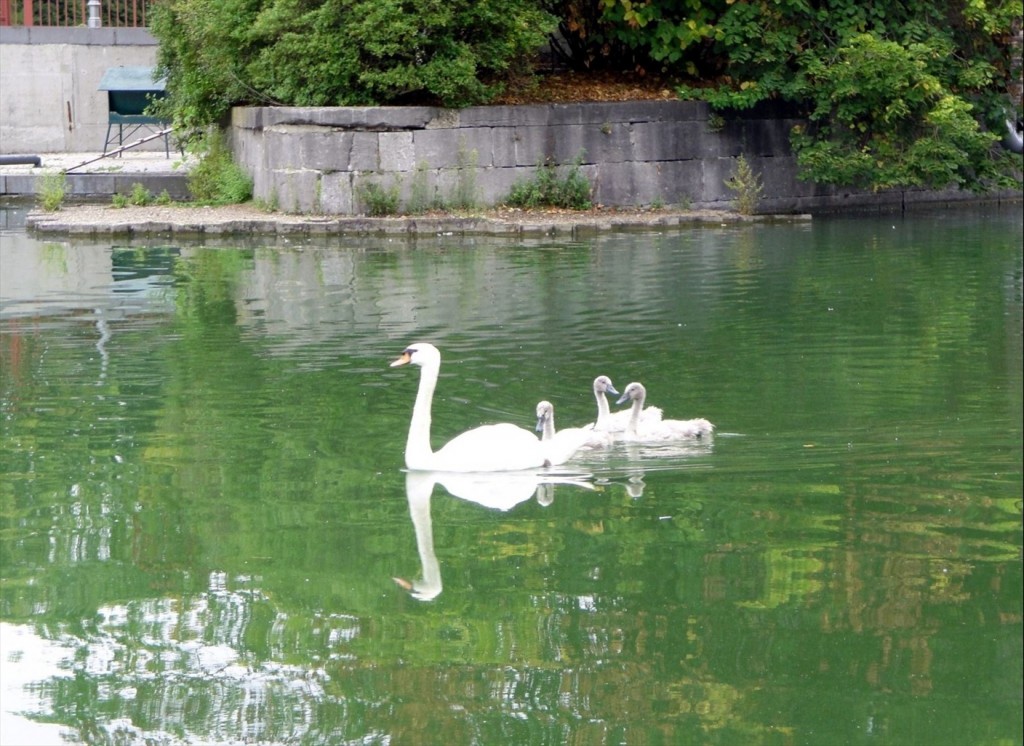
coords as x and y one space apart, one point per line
638 153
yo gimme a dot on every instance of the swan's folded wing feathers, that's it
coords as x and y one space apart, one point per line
498 447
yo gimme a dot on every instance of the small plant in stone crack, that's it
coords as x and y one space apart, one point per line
140 196
747 186
378 200
548 189
464 197
420 200
52 189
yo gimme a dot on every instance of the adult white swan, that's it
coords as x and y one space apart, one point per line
562 445
640 430
501 447
615 422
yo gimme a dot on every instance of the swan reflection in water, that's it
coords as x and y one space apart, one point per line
644 458
500 491
666 454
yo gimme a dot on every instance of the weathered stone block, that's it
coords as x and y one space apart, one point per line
716 171
397 152
504 116
767 137
365 155
538 145
454 148
297 191
281 149
778 175
503 147
679 182
638 183
669 141
378 118
603 143
336 197
495 184
323 149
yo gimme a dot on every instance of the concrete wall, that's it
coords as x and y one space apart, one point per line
48 81
638 153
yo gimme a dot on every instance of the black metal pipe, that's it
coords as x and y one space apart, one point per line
17 160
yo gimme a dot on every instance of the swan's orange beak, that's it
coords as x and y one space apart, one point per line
405 358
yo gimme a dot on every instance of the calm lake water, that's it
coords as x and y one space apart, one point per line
204 511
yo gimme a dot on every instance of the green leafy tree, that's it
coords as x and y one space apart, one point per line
882 118
218 53
203 51
898 94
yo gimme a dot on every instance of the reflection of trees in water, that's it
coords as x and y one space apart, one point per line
213 539
580 635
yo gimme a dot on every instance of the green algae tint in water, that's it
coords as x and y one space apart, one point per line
204 509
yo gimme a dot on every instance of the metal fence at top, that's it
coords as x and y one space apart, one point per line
90 13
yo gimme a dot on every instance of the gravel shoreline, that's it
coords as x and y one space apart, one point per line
88 219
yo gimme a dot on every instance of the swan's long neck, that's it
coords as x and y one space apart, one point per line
633 427
603 412
417 446
549 427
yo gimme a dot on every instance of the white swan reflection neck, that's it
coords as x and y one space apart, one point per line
495 491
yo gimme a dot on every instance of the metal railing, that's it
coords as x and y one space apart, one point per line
91 13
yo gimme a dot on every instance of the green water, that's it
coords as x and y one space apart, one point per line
203 508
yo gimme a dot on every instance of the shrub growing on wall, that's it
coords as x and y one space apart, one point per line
909 94
882 118
216 179
900 95
217 53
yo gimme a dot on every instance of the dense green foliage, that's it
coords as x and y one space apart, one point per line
896 95
882 117
341 52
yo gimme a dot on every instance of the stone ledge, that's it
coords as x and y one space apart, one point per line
239 220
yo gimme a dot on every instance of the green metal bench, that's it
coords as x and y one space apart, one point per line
129 91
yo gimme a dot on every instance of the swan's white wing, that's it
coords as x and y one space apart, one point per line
565 444
616 422
695 428
669 430
500 447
